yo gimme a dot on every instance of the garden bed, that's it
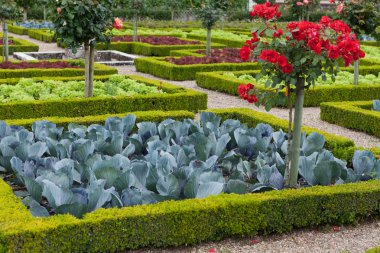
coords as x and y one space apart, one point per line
157 40
225 55
99 69
183 222
353 115
222 82
147 49
20 45
176 99
161 68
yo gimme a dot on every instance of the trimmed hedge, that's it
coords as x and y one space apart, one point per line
353 115
42 35
17 29
154 116
340 146
149 49
313 97
227 42
374 250
157 66
21 45
99 69
14 81
176 99
187 222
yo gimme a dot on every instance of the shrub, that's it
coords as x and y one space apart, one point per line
20 45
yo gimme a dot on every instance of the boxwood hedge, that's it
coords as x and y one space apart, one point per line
176 98
313 97
21 45
42 35
99 69
353 115
157 66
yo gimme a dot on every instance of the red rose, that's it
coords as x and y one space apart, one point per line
325 21
269 56
287 69
245 53
282 62
118 24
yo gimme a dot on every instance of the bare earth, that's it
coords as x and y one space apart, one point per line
324 240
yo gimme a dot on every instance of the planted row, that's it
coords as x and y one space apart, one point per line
85 168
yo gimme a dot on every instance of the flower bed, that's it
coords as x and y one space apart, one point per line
367 89
161 68
176 98
10 42
226 55
76 68
183 221
38 65
229 39
20 45
157 40
353 115
29 90
147 49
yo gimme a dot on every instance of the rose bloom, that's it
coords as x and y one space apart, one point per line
269 56
118 24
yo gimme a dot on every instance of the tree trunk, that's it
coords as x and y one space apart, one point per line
5 41
44 13
172 12
135 37
89 58
290 134
208 42
25 14
356 72
297 133
222 18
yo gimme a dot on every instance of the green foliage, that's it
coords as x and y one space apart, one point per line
82 21
374 250
314 96
29 90
353 115
7 10
42 35
160 68
175 99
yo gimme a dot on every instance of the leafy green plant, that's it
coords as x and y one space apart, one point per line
81 169
27 89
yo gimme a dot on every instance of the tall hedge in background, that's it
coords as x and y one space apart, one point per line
83 23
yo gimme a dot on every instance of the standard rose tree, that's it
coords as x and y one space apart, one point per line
293 60
7 10
84 23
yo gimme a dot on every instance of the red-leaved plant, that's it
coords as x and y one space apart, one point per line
293 60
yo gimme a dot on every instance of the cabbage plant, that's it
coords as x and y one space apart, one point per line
81 169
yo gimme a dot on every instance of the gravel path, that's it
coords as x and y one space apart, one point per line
325 240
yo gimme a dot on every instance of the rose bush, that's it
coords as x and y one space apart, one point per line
294 60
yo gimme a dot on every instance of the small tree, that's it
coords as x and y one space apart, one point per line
301 9
293 61
7 11
25 5
83 23
136 7
209 12
363 17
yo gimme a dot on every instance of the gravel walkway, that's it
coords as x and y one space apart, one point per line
325 240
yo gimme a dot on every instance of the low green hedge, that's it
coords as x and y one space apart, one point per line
177 98
14 81
149 49
227 42
99 69
340 146
42 35
313 97
155 116
178 53
157 66
21 45
374 250
187 222
17 29
353 115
